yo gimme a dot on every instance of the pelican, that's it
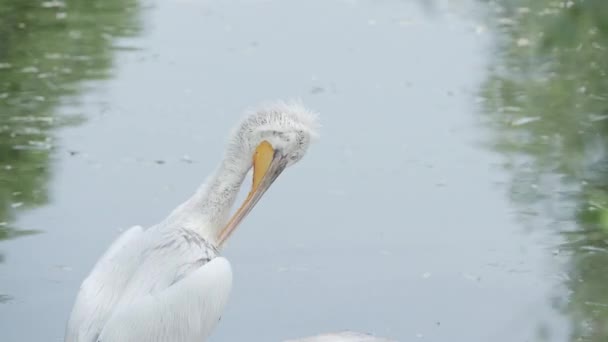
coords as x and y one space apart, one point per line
169 282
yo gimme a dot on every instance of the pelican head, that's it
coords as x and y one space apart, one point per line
268 139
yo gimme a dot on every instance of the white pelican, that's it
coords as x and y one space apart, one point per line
168 283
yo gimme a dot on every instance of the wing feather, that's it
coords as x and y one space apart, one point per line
102 288
186 311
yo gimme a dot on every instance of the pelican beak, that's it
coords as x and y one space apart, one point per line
268 164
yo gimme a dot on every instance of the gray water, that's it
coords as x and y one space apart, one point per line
430 208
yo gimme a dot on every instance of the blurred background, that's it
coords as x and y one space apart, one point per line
458 192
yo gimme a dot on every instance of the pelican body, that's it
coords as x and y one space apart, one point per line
169 282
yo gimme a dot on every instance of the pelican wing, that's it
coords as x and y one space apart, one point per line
183 312
102 288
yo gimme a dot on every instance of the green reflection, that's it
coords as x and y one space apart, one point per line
547 101
47 48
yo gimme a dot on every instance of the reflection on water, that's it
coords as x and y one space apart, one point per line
547 101
46 49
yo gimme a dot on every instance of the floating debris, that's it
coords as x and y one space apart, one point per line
593 249
525 120
522 42
471 277
597 304
567 4
510 109
5 298
64 268
548 11
81 58
506 21
406 22
186 159
75 34
317 90
595 118
32 118
53 4
29 69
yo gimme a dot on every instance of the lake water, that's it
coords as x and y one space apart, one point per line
458 191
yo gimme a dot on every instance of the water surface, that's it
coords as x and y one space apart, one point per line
402 220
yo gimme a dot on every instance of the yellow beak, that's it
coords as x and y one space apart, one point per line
267 166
